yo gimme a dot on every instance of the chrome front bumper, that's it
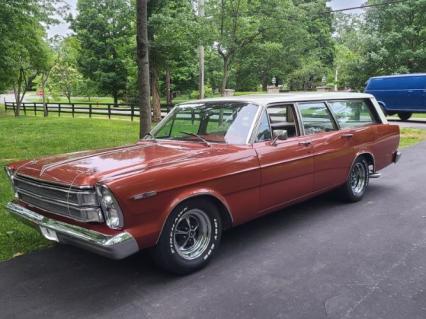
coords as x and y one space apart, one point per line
113 246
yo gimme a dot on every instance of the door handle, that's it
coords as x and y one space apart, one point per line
305 143
347 135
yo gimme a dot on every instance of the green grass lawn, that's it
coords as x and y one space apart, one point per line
411 136
32 137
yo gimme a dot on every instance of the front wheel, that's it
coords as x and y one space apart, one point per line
404 116
357 182
190 237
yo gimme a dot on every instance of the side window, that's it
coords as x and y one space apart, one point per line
264 131
282 117
316 118
352 113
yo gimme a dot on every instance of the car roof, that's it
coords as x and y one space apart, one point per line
398 76
264 99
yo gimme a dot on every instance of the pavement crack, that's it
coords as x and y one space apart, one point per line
383 276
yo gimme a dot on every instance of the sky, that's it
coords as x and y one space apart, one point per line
63 28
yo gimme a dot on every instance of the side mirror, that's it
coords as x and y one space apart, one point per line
281 135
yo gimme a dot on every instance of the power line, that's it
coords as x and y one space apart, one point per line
369 6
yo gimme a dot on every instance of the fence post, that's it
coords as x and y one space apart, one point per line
133 111
25 108
90 110
73 109
35 109
59 109
109 111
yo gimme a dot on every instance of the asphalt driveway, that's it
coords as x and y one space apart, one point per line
320 259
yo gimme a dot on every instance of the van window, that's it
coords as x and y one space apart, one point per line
352 113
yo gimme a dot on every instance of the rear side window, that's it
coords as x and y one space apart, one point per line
352 113
316 118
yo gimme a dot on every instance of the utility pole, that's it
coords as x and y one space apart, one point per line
143 67
336 76
201 55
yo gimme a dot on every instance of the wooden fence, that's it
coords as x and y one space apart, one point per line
90 109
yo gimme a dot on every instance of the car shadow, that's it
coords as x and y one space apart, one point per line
64 278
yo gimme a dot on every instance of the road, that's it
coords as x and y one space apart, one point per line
319 259
419 123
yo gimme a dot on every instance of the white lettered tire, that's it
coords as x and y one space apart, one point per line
190 237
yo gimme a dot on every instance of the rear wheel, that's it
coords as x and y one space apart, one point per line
404 116
190 237
357 183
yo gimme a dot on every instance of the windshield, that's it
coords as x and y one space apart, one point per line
211 122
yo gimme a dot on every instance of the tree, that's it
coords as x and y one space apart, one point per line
389 39
397 37
296 32
104 30
236 24
23 49
65 77
143 66
172 47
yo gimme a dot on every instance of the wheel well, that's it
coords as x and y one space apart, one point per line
370 160
225 214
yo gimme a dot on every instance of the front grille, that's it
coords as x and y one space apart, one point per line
75 203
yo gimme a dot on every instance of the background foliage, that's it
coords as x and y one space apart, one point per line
247 43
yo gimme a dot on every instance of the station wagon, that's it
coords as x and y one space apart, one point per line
207 166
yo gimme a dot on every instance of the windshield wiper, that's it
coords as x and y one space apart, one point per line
197 136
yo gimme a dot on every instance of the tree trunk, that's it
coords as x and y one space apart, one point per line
169 95
115 96
44 79
156 103
201 88
17 100
44 102
143 66
225 75
264 83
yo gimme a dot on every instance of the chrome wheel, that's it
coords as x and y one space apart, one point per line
358 178
191 235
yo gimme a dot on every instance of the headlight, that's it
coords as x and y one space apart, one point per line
110 208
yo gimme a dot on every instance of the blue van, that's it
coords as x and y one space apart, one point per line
399 94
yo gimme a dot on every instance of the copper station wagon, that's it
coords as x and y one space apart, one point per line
207 166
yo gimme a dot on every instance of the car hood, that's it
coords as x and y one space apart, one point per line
87 168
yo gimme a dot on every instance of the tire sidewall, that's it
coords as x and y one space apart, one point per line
353 196
176 262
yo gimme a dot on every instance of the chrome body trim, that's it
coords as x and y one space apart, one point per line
74 203
144 195
116 246
55 187
59 184
375 175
